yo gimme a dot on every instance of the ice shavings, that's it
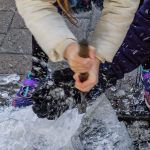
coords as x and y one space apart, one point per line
13 78
21 129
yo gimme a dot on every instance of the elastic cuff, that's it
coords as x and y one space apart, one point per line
101 59
58 53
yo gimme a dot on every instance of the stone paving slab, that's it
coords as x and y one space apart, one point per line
18 22
13 63
8 5
17 41
5 20
1 38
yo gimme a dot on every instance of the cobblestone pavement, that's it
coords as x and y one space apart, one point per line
15 40
15 57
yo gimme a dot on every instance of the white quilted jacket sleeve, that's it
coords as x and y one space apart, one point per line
112 27
47 26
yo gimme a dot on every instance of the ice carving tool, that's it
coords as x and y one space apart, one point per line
84 53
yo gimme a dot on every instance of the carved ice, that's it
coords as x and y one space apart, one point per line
99 130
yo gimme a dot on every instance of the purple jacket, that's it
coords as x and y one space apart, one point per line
135 49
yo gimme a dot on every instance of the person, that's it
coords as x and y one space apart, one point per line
57 42
134 51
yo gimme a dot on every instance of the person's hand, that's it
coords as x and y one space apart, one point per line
92 80
77 63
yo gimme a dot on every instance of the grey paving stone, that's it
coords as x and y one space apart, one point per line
17 41
13 63
18 21
5 21
1 38
7 5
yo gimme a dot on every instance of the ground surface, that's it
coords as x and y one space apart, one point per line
15 58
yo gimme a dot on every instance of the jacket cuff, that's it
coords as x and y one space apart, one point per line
57 54
100 58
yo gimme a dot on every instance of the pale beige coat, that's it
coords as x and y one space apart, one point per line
53 35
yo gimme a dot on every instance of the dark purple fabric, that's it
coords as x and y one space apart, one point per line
135 49
146 75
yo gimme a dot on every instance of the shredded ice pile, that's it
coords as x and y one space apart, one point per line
99 129
22 130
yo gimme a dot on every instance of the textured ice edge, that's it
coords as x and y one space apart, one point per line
99 130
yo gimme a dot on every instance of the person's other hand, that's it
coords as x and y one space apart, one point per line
92 80
77 63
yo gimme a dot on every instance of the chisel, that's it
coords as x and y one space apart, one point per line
84 53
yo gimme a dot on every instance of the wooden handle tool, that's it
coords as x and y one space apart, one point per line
84 52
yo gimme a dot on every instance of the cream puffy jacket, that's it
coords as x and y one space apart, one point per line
53 35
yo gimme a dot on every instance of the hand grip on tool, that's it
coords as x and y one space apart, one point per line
84 53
